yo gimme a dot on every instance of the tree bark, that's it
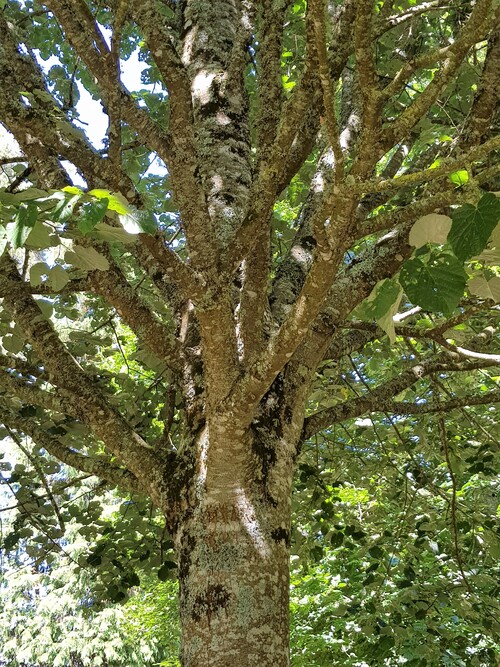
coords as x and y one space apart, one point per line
233 547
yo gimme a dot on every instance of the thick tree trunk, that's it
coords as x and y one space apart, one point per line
233 554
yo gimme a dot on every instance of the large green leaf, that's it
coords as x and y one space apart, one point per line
382 297
435 284
18 232
137 221
91 213
116 201
113 234
86 258
472 226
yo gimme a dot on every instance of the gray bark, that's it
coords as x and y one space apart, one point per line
232 542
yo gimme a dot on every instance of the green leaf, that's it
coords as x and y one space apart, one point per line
58 277
113 234
46 307
376 552
436 284
165 571
40 237
460 177
472 226
91 213
73 190
382 297
25 195
64 210
12 343
137 221
18 232
37 272
432 228
486 289
116 201
86 258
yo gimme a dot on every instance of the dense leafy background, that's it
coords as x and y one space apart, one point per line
394 546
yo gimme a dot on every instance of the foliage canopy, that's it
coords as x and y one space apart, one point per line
278 261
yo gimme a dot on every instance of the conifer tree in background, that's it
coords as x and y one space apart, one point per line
329 185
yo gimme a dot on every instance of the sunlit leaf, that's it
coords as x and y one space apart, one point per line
19 230
432 228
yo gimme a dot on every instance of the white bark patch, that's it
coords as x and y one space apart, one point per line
200 88
222 118
250 523
203 445
187 51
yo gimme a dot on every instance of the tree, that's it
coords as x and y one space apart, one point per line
314 155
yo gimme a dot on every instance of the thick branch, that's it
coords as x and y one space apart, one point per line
30 394
85 397
100 468
380 398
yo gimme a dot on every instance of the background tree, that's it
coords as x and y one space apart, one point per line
309 153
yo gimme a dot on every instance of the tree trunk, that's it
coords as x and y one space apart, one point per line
233 552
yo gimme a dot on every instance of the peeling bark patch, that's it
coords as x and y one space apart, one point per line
279 534
210 602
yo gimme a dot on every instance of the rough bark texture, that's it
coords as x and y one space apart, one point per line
245 333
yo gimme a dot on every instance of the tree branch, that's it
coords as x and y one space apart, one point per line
85 397
379 398
472 32
100 468
446 166
113 286
442 407
318 18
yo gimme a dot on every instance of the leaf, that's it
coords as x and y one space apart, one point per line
376 552
46 307
64 210
486 289
432 228
37 272
18 232
137 221
113 234
86 258
91 213
436 285
116 201
40 237
25 195
73 190
12 343
386 322
472 226
382 297
460 177
58 277
165 571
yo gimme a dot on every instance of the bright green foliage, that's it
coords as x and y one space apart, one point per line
395 558
50 617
